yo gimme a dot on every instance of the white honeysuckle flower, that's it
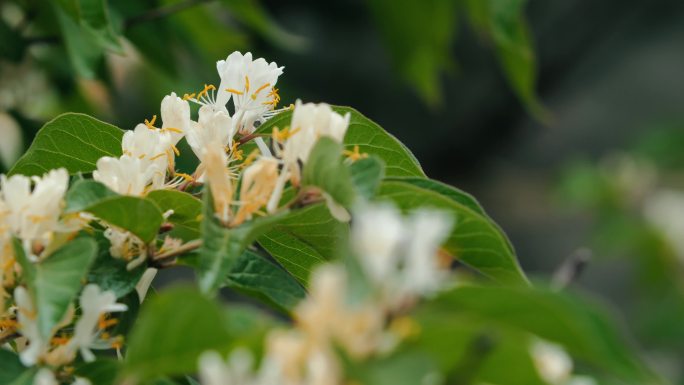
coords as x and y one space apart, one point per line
7 260
33 214
251 85
310 122
213 370
220 180
553 364
154 149
400 254
12 142
45 377
27 319
423 273
145 282
175 115
126 246
377 233
664 210
212 127
126 175
94 304
81 381
258 183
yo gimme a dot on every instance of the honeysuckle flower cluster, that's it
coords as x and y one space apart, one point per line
401 263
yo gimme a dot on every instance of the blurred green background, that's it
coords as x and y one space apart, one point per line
566 118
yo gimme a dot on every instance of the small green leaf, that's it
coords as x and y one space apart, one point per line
367 174
366 134
85 193
257 276
95 17
304 239
504 23
187 211
221 247
475 239
100 372
10 367
85 53
173 330
140 216
585 331
73 141
55 281
325 170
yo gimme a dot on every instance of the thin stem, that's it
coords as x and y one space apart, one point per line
161 12
187 247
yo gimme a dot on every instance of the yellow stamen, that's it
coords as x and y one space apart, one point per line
254 95
60 340
355 154
150 123
172 129
175 150
117 343
157 156
250 158
205 91
8 324
237 154
187 97
246 84
234 91
185 176
281 136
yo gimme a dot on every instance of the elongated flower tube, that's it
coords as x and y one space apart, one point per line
220 180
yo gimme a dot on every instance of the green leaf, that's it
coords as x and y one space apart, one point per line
253 14
304 239
475 240
10 367
450 192
419 36
366 134
140 216
504 23
95 18
325 170
85 52
73 141
187 211
367 174
55 281
26 378
222 247
257 276
582 328
100 372
85 193
110 273
173 330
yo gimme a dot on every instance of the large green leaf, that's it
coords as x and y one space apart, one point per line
173 330
304 239
222 247
581 327
325 170
366 134
83 49
450 192
187 211
95 18
10 367
73 141
504 23
257 276
475 240
55 281
140 216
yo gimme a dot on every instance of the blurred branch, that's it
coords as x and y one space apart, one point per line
571 268
161 12
476 353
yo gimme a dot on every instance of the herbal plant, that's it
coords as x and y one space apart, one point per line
364 270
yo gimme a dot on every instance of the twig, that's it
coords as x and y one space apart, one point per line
187 247
571 269
161 12
8 338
